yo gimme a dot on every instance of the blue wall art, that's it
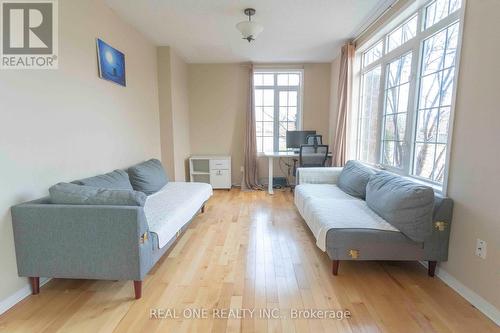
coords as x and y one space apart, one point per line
111 63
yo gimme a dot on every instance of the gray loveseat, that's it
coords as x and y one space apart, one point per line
359 213
114 226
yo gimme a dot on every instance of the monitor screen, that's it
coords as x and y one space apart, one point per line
296 138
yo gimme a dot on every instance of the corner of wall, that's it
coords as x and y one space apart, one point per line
165 108
174 112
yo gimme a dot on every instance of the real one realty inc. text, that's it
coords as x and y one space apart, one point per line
241 313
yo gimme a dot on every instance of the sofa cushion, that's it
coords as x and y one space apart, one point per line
354 177
73 194
324 214
148 177
169 209
405 204
303 193
117 180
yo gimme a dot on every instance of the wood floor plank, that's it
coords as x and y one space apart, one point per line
250 250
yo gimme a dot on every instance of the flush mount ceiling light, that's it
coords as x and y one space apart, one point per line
249 29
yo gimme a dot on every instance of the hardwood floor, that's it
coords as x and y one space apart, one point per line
251 250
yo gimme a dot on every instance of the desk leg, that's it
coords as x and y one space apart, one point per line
270 183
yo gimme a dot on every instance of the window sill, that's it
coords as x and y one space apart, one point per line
437 188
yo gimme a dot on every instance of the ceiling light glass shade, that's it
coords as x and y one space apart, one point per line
249 29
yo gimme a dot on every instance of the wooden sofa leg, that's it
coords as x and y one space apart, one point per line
35 285
138 289
335 267
203 209
431 268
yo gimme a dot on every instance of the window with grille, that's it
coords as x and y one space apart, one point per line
407 81
277 102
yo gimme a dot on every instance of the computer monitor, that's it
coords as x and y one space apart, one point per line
294 139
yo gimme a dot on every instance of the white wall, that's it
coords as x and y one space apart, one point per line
66 124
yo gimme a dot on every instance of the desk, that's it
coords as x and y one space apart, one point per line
277 154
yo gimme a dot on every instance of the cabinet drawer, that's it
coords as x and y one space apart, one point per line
220 179
220 164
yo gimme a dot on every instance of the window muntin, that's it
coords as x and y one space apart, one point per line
277 107
288 79
368 122
397 90
373 54
402 34
414 141
438 10
434 104
263 79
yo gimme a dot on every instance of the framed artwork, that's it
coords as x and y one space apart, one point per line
111 63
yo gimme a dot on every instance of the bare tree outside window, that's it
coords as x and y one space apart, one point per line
433 115
395 110
406 87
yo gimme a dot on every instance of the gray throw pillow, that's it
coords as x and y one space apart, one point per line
354 177
73 194
117 180
148 177
406 205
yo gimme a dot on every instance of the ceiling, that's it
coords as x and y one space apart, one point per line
203 31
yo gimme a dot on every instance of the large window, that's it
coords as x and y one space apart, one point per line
277 100
407 80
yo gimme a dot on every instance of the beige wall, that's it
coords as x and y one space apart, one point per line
174 112
180 112
475 160
60 125
316 114
217 103
165 110
473 177
217 100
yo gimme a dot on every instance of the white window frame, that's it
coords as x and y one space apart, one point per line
415 46
276 88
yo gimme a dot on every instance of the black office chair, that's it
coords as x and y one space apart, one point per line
314 139
311 156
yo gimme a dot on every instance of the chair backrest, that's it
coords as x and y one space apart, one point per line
314 139
313 155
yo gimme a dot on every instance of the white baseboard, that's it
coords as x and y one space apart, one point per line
477 301
18 296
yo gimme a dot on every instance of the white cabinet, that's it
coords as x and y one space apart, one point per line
215 170
220 178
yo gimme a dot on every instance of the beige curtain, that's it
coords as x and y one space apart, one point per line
251 179
344 102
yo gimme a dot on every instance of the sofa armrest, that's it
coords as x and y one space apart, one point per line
81 241
318 175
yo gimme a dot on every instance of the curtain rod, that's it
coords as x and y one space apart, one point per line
375 21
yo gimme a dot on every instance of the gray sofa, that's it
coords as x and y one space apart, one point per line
105 227
359 213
